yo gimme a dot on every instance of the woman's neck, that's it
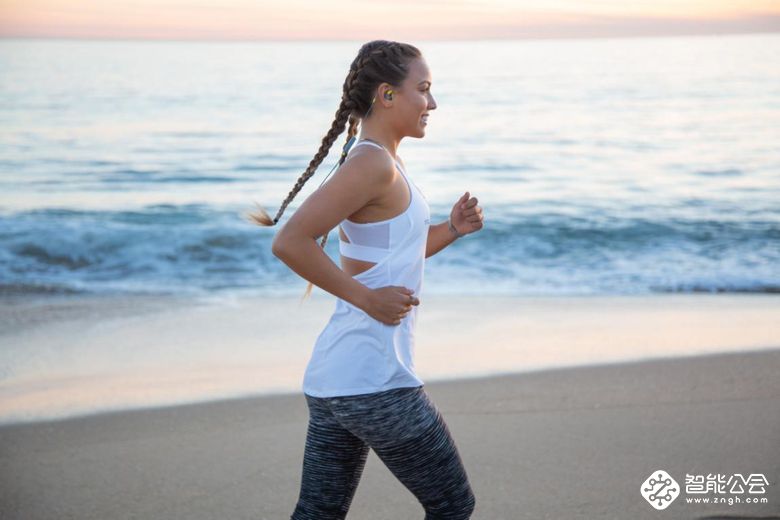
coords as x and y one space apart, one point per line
376 141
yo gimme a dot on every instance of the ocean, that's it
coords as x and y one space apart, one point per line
603 166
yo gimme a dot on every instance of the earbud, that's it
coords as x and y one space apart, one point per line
389 94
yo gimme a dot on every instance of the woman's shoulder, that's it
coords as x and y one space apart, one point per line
369 165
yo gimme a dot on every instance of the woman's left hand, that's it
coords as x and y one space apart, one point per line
466 215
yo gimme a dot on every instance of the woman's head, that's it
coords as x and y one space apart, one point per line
398 107
388 86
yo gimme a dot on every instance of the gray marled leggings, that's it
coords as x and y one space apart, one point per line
405 430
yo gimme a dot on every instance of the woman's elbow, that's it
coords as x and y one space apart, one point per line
287 240
279 245
284 242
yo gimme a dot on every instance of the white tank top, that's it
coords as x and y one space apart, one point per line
355 353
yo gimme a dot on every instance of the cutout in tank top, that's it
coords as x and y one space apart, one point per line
373 241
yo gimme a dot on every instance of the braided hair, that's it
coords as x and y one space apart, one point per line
377 62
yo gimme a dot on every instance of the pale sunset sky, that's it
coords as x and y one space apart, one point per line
366 19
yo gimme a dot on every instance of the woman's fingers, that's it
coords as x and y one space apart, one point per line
403 313
403 306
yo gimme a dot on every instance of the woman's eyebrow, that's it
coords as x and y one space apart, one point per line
425 81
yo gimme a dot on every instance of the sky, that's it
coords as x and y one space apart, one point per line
367 19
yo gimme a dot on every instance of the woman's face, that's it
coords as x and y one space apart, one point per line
414 100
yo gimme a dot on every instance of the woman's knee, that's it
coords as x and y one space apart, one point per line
304 511
457 507
466 505
469 504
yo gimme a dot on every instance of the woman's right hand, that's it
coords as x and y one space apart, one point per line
390 304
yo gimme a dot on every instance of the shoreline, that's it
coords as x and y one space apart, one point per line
103 354
18 311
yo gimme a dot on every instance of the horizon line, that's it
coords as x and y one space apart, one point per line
726 32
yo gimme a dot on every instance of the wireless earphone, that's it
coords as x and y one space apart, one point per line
388 96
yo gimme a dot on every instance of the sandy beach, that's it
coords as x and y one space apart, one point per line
567 443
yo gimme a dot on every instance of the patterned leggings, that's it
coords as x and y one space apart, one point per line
405 430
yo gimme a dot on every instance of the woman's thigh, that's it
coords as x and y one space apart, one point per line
333 463
410 436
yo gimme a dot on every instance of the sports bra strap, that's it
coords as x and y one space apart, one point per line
358 252
372 143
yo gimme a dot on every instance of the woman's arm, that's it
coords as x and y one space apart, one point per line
356 183
305 256
439 237
466 217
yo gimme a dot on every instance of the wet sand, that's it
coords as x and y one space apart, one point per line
64 356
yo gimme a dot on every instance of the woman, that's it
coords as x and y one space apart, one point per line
360 385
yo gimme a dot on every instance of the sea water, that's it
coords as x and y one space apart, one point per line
603 166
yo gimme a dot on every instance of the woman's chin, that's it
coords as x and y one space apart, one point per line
417 131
